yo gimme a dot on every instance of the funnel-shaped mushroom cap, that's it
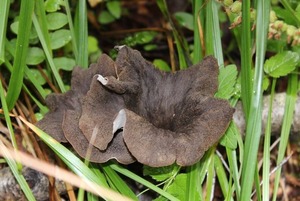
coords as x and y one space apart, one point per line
127 110
169 117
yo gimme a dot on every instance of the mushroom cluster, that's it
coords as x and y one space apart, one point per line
128 110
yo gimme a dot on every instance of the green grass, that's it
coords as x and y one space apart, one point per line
16 80
253 130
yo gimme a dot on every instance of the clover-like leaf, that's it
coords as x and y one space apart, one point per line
281 64
53 5
229 140
114 8
56 20
178 189
60 38
185 19
64 63
35 56
227 80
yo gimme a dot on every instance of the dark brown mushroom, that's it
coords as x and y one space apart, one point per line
127 110
169 117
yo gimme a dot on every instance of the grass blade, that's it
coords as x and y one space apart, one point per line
210 181
61 174
232 160
121 186
209 40
253 130
221 175
16 80
267 144
291 98
48 54
7 120
72 161
19 177
198 20
81 34
146 183
246 74
41 18
4 4
70 21
15 167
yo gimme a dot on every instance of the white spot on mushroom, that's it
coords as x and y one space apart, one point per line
119 47
119 121
102 79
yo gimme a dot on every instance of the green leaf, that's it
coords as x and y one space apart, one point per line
53 5
64 63
160 173
227 79
15 28
35 55
124 171
162 65
60 38
15 82
56 20
266 83
178 187
114 7
185 19
229 140
150 47
281 64
144 37
4 14
105 17
92 44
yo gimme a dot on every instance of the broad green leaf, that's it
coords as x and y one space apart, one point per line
35 55
281 64
53 5
64 63
162 65
60 38
229 140
114 7
185 19
105 17
160 173
227 79
56 20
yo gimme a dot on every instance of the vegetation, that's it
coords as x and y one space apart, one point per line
256 44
